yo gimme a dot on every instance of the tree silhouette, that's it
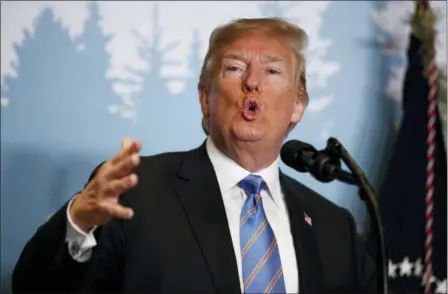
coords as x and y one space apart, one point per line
153 89
61 93
63 81
97 90
188 101
154 109
37 93
39 114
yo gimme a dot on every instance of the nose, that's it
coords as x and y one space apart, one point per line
251 83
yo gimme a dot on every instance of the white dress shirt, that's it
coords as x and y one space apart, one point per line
228 173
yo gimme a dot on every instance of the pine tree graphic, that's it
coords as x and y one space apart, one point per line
153 90
45 73
98 91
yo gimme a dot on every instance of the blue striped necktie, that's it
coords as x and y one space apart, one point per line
262 268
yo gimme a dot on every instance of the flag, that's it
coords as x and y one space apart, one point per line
308 219
413 198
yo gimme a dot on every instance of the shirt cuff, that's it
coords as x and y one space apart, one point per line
80 244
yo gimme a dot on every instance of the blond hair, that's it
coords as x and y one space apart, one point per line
292 35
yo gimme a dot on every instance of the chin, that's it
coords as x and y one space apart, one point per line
247 133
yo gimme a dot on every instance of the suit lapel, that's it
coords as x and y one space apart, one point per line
305 243
198 190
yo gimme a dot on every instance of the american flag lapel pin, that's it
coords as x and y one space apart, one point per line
308 219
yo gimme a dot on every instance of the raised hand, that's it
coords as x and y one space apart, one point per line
98 202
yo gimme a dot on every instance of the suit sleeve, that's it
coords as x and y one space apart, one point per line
365 272
105 268
45 265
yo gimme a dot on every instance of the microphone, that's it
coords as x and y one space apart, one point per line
323 165
298 155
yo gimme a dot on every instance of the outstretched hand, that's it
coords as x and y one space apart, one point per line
98 202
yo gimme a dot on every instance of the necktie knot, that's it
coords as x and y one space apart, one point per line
252 184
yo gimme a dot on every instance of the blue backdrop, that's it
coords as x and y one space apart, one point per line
78 76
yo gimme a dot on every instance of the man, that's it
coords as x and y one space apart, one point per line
219 218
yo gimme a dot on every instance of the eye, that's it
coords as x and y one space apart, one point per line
273 71
233 68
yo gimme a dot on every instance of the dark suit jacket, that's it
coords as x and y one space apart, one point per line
179 240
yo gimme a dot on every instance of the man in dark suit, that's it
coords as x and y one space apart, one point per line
219 218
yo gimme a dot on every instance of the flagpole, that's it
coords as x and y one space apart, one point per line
432 74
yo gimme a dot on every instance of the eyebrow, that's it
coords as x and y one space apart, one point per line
264 59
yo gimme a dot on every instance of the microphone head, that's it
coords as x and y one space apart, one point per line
292 153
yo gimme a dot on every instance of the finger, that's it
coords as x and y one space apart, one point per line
128 148
116 210
125 143
131 147
118 186
123 168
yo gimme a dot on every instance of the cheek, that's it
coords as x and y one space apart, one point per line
223 98
282 100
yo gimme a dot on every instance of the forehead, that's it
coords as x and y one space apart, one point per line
267 48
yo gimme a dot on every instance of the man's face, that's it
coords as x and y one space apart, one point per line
254 96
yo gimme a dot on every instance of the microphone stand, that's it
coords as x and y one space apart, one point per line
367 194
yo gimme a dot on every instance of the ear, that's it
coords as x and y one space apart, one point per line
299 108
203 100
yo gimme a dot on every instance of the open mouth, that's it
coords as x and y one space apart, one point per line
251 109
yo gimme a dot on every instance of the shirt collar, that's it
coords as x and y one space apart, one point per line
229 173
